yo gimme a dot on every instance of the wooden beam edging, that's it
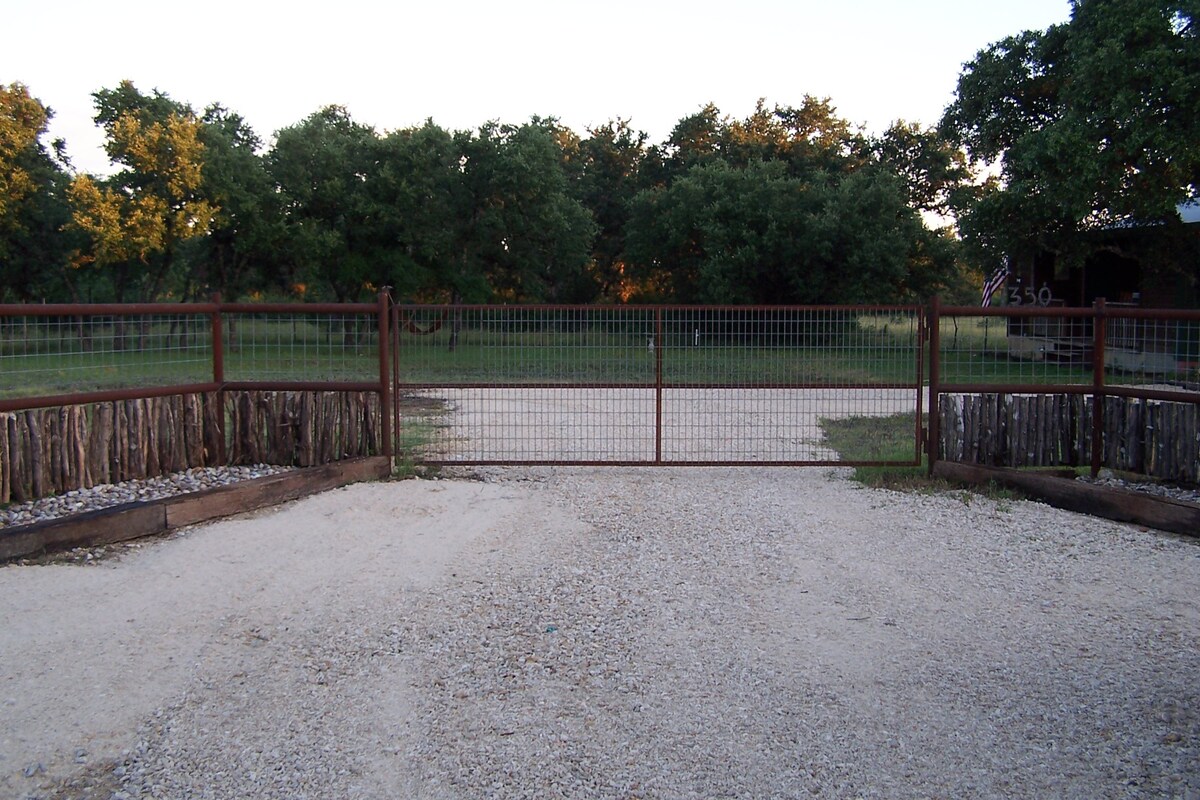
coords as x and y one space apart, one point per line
1120 505
146 518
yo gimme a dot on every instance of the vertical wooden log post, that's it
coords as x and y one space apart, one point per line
5 458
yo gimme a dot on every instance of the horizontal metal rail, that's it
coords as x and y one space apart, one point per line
1180 395
1080 312
666 462
419 385
103 396
197 309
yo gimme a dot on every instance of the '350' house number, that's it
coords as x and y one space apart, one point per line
1028 297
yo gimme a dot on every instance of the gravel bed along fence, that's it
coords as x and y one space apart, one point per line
107 495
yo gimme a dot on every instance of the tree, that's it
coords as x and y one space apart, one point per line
240 253
33 251
23 121
136 219
1093 124
523 235
609 174
870 245
932 169
1144 56
322 168
793 205
811 140
419 190
721 234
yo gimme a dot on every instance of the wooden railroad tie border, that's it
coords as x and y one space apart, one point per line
149 517
1060 491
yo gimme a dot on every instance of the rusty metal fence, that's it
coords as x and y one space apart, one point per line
104 393
625 385
1102 386
53 355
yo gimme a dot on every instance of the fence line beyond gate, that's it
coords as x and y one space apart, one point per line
104 393
1106 386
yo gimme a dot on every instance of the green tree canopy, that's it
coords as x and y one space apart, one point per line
932 170
135 220
724 210
1093 124
240 254
322 168
811 140
723 234
524 232
610 167
33 210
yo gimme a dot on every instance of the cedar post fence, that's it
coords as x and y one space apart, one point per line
1125 382
1137 374
73 379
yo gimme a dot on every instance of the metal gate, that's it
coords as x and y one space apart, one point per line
655 385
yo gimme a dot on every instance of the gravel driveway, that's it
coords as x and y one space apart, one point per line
612 633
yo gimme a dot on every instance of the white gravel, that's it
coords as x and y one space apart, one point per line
107 495
612 633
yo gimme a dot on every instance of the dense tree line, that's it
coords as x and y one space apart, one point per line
788 205
1087 124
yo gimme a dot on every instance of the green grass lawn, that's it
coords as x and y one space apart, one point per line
880 439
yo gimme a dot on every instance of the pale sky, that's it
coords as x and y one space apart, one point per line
394 64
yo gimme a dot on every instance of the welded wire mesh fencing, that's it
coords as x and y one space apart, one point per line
650 385
1026 348
55 354
299 345
72 353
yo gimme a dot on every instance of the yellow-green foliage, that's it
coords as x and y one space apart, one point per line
137 223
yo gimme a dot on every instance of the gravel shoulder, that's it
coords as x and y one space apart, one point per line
612 633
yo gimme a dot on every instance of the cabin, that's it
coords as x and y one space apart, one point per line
1130 267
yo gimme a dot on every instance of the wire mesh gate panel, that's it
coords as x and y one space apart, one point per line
637 385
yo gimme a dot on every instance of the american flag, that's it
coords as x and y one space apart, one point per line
993 283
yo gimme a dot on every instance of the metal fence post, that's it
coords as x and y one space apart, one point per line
385 404
218 352
658 384
1099 333
935 362
394 345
